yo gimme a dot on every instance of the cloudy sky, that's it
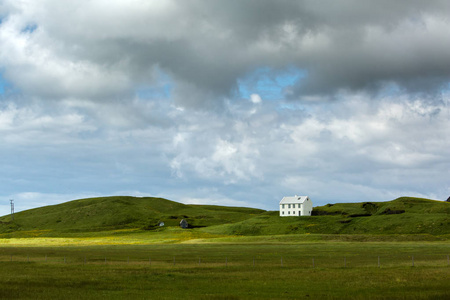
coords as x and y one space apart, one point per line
224 102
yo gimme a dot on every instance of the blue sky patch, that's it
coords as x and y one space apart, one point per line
160 90
30 28
6 87
155 92
270 84
3 84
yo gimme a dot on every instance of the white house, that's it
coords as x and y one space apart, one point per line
295 206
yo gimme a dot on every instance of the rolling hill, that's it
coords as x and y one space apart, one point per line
404 215
120 212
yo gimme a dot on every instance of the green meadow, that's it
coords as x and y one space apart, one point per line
227 269
390 250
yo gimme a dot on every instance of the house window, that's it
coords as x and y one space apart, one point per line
299 213
289 206
282 212
282 205
289 212
293 205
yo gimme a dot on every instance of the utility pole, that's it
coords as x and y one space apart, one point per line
12 208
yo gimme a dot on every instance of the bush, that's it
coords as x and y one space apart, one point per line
370 207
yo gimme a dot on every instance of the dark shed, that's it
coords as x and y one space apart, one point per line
184 224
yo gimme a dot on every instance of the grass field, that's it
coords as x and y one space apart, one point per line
226 268
112 248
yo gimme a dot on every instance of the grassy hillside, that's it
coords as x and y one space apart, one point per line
107 213
401 216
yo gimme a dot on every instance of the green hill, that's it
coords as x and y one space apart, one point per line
120 212
404 215
401 216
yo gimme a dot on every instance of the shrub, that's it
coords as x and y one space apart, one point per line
389 211
370 207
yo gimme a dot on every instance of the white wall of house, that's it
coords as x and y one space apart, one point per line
307 207
295 206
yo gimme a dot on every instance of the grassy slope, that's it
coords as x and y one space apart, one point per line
413 216
108 213
420 216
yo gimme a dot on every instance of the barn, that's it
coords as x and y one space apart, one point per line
295 206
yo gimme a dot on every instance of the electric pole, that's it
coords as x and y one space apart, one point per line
12 209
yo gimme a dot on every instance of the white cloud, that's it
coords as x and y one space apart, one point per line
255 98
358 151
136 96
25 126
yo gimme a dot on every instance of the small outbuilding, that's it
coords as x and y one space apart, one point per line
295 206
184 224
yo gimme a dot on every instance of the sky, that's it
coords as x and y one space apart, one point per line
235 103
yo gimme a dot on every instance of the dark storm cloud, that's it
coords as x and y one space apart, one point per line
367 44
206 46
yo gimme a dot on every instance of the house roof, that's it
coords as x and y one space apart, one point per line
294 199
